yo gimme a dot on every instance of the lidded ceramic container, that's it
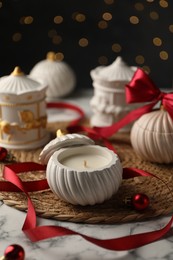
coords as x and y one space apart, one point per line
80 172
152 137
57 75
109 101
22 112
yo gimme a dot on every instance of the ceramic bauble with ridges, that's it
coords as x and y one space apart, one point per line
152 137
58 75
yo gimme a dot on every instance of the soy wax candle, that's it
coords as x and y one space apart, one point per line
82 159
80 172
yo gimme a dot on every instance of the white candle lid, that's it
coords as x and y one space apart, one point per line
62 142
116 71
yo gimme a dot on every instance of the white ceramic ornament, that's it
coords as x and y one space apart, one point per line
58 75
109 102
82 173
22 112
152 137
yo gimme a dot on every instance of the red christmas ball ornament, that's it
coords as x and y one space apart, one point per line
140 201
14 252
3 154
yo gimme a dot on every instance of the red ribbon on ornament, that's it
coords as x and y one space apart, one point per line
140 89
37 233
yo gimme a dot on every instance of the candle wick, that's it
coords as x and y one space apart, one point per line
85 163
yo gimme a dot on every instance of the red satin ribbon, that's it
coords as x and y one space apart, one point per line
68 106
36 233
74 125
29 185
140 89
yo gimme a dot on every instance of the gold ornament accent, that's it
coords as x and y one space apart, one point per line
51 56
17 72
30 122
162 107
59 133
8 129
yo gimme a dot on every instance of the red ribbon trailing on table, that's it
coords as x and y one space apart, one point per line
148 92
140 89
71 107
37 233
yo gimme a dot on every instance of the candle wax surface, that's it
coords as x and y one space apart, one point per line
85 161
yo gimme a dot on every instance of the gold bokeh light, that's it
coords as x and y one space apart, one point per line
16 37
140 59
83 42
58 19
139 6
102 24
134 19
107 16
59 56
157 41
57 39
164 55
103 60
154 15
163 3
116 47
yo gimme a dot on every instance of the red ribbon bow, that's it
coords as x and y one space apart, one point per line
140 89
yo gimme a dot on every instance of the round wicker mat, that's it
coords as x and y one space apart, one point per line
47 205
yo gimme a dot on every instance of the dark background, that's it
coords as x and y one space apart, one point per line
28 31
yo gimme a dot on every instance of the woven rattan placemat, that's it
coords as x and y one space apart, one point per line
47 205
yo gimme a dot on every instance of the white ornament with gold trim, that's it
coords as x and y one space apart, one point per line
22 112
58 75
80 172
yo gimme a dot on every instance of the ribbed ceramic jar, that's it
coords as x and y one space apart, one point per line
152 137
22 112
84 186
81 173
58 75
109 102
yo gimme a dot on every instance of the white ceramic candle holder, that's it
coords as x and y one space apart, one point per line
23 115
109 102
84 174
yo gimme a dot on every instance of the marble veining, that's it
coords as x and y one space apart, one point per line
75 247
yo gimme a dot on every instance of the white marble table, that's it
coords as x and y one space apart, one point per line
75 247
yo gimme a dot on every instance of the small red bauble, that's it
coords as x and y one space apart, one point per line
14 252
140 201
3 154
